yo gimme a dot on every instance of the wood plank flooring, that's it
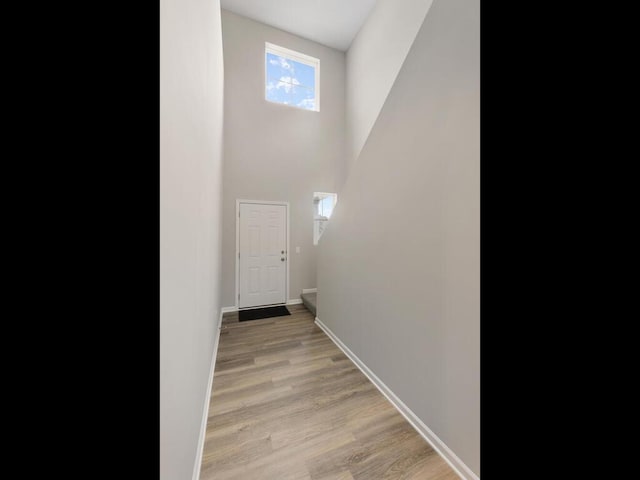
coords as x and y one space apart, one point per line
287 404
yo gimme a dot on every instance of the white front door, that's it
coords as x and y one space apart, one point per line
263 254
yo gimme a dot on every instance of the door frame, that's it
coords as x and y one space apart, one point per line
262 202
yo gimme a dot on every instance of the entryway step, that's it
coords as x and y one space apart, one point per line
309 300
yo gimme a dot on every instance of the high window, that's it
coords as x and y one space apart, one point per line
292 78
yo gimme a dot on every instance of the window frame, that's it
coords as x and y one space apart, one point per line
296 57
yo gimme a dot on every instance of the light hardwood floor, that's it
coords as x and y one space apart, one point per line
287 404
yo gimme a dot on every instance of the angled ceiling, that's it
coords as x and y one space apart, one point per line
330 22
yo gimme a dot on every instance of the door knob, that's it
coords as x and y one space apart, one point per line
282 252
282 259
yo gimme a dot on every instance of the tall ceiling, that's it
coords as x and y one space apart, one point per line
330 22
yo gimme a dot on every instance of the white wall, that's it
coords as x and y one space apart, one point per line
191 92
275 152
399 262
373 61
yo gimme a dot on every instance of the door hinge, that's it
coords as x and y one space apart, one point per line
238 297
238 254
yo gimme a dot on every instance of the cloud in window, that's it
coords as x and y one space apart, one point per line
309 103
287 83
282 62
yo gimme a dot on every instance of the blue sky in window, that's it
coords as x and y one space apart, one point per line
290 82
326 206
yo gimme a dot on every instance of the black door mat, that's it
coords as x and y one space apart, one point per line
257 313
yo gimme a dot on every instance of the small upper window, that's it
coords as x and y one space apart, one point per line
323 208
292 78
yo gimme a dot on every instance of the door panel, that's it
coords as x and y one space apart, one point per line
263 265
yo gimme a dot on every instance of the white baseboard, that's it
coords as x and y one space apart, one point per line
205 410
229 309
295 301
309 290
438 445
